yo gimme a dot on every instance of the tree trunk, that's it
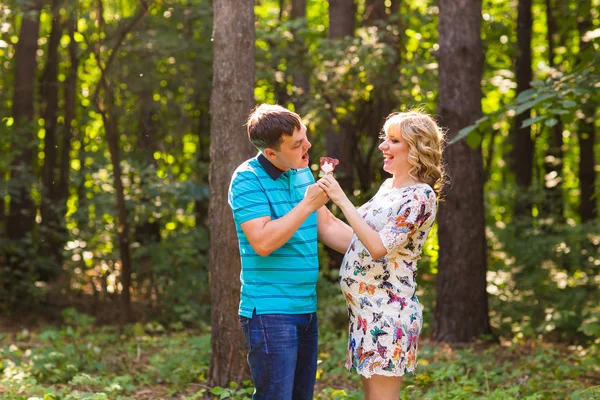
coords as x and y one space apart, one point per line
232 99
340 139
70 115
553 162
461 311
147 231
374 11
299 64
203 160
21 216
50 243
522 151
112 138
371 114
586 130
341 18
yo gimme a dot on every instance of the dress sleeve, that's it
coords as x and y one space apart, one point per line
415 211
247 198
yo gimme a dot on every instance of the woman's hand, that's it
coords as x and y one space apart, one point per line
333 190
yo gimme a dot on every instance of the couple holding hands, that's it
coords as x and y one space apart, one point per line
280 213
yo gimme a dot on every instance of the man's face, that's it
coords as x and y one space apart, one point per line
293 151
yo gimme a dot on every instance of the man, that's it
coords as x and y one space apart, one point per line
278 211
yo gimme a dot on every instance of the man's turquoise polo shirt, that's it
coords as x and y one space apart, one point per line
285 281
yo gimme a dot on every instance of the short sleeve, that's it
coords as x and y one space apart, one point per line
247 198
415 212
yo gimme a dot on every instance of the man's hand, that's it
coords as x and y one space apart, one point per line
315 197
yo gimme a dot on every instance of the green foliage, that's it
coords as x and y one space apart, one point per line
63 363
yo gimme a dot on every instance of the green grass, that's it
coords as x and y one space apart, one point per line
81 361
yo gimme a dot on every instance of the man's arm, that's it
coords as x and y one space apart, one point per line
266 235
332 231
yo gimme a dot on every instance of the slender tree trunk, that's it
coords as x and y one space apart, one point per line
371 114
21 216
553 162
586 130
340 139
461 311
70 93
147 231
112 138
49 247
374 11
522 151
300 61
106 109
232 99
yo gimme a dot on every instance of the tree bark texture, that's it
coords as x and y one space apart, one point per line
586 130
522 151
341 139
232 99
553 162
21 215
300 62
461 311
50 242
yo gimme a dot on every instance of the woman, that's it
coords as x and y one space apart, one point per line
378 274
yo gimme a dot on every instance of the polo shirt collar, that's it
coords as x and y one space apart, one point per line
271 170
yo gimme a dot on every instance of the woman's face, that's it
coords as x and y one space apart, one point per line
395 153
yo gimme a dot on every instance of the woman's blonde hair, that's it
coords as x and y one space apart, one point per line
426 140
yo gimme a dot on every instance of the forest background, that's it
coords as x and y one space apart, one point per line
121 123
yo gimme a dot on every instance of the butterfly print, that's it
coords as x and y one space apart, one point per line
362 324
366 288
350 312
382 350
377 317
375 365
363 254
393 298
350 299
386 285
363 357
423 216
389 367
376 333
359 269
383 277
349 281
404 280
398 333
365 302
384 330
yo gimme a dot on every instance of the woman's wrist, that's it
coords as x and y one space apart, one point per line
345 205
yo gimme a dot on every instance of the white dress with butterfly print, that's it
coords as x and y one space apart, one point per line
385 315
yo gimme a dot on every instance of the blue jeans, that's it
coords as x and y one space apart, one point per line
282 354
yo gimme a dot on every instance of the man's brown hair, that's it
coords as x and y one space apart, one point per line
267 123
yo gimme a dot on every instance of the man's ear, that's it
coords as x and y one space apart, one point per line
269 153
